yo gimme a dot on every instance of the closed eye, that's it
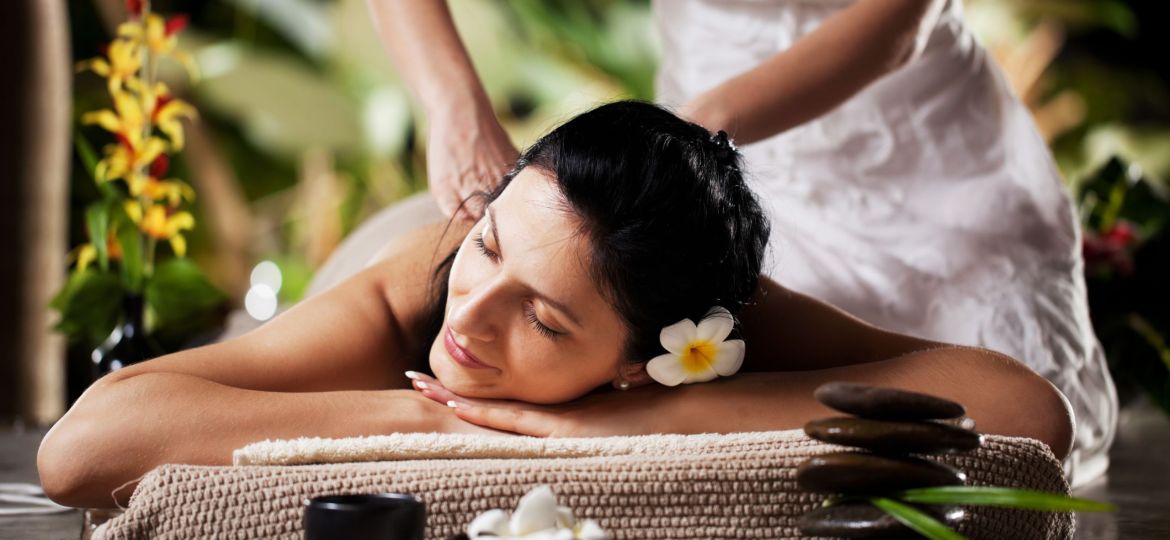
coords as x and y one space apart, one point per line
479 243
529 311
545 331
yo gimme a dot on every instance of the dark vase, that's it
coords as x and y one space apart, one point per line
128 343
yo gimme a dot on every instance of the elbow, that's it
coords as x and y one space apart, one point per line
1028 405
73 460
61 465
1054 422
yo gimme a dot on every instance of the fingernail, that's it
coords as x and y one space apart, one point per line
413 375
421 385
453 404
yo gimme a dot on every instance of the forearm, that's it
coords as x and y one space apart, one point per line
118 431
421 39
1001 395
819 72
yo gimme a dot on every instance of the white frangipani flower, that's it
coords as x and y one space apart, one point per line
537 517
698 353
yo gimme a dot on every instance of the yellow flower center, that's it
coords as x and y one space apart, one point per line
698 356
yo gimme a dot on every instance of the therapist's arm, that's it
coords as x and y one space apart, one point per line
421 39
849 51
467 149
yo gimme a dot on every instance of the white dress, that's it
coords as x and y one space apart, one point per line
927 204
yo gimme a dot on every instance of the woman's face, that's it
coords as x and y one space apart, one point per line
524 320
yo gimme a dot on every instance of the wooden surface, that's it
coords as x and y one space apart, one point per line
1138 483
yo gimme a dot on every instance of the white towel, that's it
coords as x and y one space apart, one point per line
408 446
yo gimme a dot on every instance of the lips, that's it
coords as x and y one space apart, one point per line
461 355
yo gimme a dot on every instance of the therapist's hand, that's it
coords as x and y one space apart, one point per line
466 153
710 110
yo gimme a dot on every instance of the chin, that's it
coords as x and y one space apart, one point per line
459 379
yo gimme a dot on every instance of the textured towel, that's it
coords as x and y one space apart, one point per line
404 446
670 486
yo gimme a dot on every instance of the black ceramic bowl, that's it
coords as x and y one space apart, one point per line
381 516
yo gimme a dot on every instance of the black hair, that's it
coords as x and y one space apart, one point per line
674 229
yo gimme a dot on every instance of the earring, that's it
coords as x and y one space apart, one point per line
621 384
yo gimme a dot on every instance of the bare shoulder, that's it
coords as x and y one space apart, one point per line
405 270
790 331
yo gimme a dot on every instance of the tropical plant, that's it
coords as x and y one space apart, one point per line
140 207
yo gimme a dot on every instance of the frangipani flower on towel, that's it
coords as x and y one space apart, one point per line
537 517
698 353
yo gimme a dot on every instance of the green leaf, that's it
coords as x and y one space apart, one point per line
86 152
89 160
130 240
1006 497
916 519
97 218
89 304
183 301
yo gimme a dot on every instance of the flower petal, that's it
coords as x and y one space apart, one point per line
85 255
667 369
728 357
492 522
590 530
180 221
676 336
700 377
104 118
536 511
179 245
565 518
716 325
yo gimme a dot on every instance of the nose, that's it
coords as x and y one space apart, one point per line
476 313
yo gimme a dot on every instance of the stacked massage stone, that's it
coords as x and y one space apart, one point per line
895 432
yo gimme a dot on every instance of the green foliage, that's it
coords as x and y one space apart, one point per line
901 507
181 301
1004 497
916 519
1127 259
89 304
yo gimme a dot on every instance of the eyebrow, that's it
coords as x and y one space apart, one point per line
491 213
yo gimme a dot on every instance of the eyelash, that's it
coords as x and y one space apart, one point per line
529 312
484 249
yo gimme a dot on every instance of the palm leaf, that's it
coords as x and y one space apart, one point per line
916 519
1006 497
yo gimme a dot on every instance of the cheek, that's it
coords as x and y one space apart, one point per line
544 373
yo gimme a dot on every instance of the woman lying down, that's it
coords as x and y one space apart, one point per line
618 262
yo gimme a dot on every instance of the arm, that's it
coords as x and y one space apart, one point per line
330 366
802 343
819 72
467 149
1001 395
795 344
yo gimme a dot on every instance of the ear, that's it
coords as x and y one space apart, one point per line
635 373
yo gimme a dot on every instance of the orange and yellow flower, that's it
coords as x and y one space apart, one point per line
122 62
160 36
173 190
162 223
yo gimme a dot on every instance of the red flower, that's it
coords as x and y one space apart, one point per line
134 7
175 24
160 165
159 104
1110 249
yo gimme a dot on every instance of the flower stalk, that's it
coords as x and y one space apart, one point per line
145 121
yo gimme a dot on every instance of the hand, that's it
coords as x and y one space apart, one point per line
466 153
638 411
708 110
428 416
